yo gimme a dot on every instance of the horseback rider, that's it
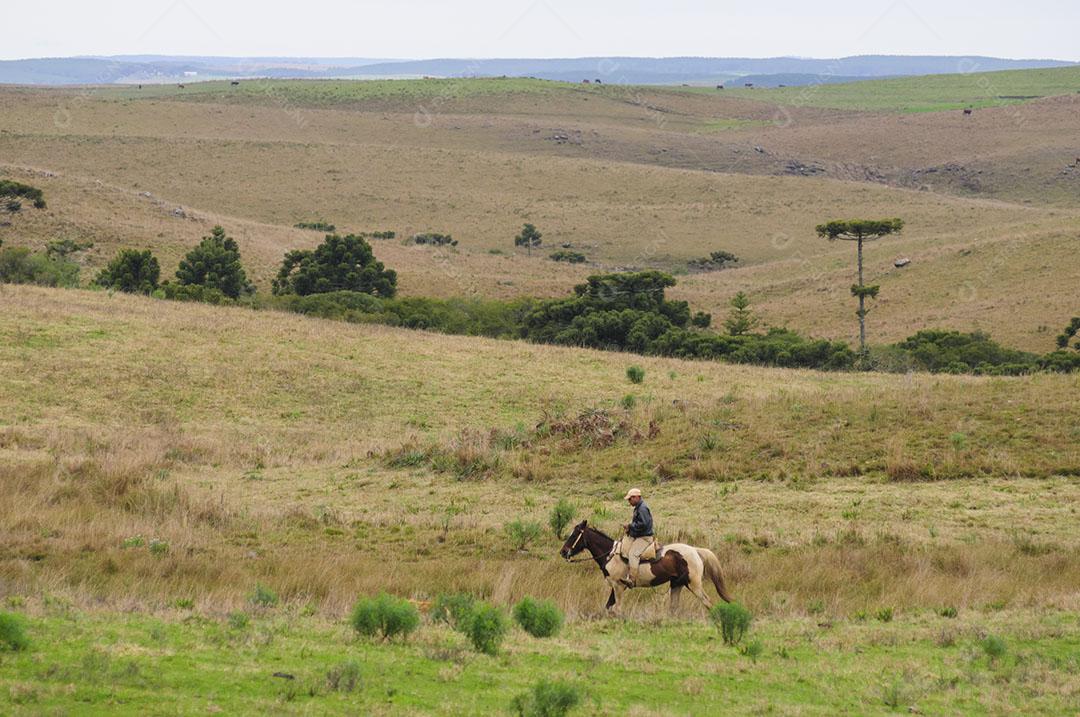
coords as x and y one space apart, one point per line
641 530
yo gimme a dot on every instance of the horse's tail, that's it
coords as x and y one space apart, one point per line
712 569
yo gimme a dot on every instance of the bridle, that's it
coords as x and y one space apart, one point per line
589 558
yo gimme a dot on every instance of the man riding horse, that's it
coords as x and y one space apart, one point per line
640 530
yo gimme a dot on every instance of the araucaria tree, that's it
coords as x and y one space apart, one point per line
528 238
338 264
859 231
131 271
215 264
741 320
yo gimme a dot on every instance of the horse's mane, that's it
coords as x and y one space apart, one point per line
601 533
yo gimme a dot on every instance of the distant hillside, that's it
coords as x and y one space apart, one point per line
615 70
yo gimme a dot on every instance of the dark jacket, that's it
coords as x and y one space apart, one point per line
641 525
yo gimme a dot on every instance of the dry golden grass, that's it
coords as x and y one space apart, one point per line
485 164
253 443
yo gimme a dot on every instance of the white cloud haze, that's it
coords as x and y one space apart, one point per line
542 28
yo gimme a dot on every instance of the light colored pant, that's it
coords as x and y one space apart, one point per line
639 546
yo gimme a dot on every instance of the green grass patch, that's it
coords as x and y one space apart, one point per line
927 93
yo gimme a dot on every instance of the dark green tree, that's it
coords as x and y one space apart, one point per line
132 271
741 320
215 264
859 231
1069 334
528 238
338 264
11 194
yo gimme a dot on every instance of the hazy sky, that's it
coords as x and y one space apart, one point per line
542 28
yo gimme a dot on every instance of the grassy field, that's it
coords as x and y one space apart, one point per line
930 93
184 662
327 460
257 448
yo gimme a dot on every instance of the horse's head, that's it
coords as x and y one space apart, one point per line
576 542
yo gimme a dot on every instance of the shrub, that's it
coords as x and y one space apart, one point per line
343 677
948 612
486 627
570 257
18 265
13 633
455 609
338 264
318 226
733 620
714 262
752 649
215 264
192 292
63 248
385 615
131 271
636 374
561 515
11 188
994 647
547 699
263 596
885 614
539 618
522 533
433 239
239 620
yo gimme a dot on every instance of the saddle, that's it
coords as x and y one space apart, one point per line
650 554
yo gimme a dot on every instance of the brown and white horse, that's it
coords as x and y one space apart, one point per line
677 565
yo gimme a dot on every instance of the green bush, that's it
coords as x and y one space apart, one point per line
239 620
948 612
13 633
192 292
343 677
570 257
636 374
131 271
486 627
18 265
752 649
733 620
994 647
885 614
455 609
317 226
11 188
384 615
522 533
560 517
263 596
547 699
539 618
433 239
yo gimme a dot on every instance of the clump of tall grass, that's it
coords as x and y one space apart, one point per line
733 620
539 618
384 615
547 698
13 633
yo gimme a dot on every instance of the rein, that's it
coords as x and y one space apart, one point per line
590 558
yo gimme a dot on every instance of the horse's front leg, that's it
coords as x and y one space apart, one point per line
673 598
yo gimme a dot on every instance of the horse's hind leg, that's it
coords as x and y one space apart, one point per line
673 598
699 592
